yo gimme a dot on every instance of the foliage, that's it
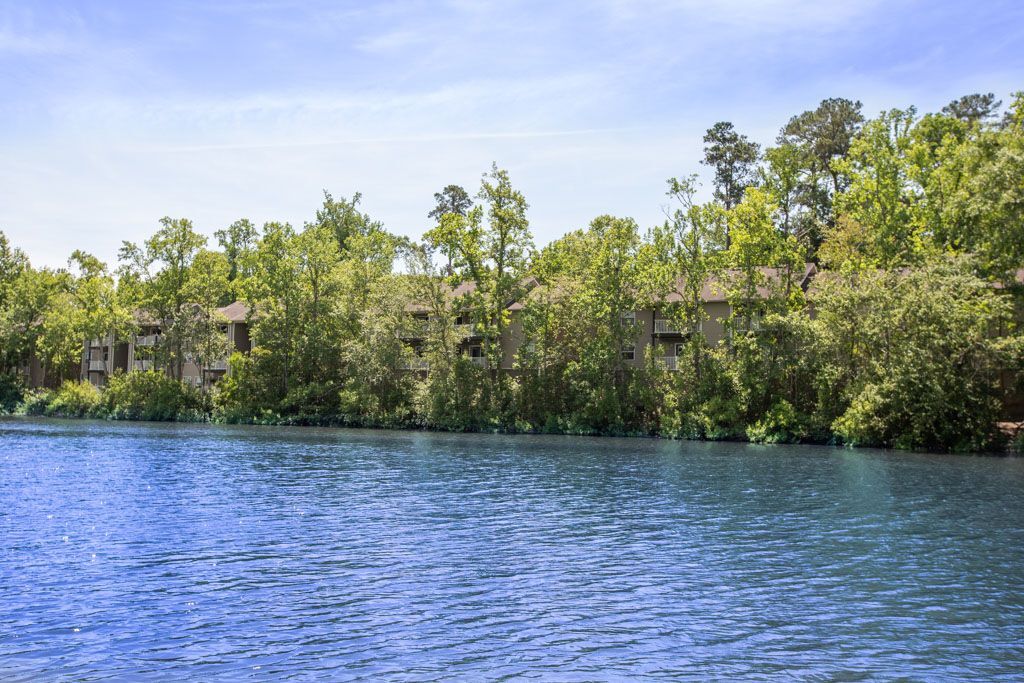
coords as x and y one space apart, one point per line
733 158
153 396
72 399
908 336
908 358
12 392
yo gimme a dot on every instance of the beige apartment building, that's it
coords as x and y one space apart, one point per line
104 356
655 327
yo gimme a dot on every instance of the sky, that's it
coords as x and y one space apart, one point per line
115 114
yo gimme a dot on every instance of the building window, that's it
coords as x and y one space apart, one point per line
476 352
629 352
680 349
629 318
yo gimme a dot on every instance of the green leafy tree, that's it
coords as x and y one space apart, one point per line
880 196
733 158
490 247
155 278
237 242
974 108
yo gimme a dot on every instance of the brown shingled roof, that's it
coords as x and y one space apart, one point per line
714 290
236 312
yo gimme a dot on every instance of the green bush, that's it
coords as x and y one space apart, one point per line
781 424
73 399
12 392
35 402
154 396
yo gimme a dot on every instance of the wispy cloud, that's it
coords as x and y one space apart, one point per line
127 111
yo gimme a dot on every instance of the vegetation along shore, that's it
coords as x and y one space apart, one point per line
859 281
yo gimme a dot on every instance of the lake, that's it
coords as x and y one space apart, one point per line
142 551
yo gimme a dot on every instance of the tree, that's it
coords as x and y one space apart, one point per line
881 194
208 286
761 287
975 108
908 359
237 241
825 135
343 218
987 203
452 199
489 247
687 248
733 158
155 277
271 291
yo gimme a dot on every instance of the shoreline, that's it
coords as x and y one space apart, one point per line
1008 452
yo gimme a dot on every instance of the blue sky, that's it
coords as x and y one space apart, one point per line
113 114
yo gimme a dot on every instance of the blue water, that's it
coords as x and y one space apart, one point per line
166 552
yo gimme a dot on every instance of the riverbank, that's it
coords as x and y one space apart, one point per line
83 401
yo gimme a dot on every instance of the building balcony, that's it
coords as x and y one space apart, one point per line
97 343
147 340
668 327
97 366
466 330
218 365
478 360
415 364
670 362
143 365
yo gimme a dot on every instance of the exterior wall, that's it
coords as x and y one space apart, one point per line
645 319
511 341
102 357
714 327
239 334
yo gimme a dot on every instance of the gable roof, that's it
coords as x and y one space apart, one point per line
453 294
235 312
714 289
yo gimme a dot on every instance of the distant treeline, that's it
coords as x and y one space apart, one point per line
907 337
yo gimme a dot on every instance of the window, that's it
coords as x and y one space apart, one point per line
476 352
629 352
629 318
680 349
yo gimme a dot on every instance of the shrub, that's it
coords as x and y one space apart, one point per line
35 402
12 391
154 396
781 424
75 399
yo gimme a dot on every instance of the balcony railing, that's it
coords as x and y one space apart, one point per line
665 326
671 362
147 340
478 360
97 343
97 366
218 365
143 365
415 364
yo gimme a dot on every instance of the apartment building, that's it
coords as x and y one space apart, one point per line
467 328
654 324
106 355
658 330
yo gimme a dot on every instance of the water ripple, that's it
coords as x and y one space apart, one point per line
164 552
